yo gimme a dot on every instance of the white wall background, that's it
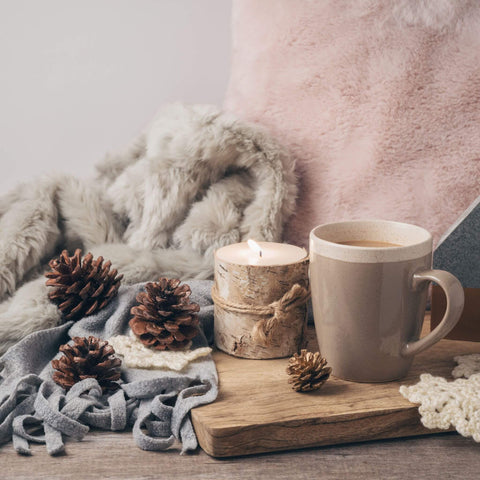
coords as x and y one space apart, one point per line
79 78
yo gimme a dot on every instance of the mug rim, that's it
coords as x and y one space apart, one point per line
415 241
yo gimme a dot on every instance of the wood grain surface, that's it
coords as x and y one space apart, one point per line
108 455
257 411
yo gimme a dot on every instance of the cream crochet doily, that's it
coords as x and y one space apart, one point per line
136 355
456 403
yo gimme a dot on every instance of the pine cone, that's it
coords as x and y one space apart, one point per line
165 319
308 371
87 358
81 288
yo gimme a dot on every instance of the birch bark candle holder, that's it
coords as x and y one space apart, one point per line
260 298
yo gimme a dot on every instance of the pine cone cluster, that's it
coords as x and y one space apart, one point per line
308 371
166 319
81 287
87 358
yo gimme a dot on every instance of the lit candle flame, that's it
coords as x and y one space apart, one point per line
255 247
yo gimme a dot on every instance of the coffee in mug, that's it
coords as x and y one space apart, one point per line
369 243
369 283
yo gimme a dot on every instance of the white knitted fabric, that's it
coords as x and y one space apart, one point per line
468 365
136 355
444 404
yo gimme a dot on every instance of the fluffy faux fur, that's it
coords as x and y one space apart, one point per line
197 179
378 100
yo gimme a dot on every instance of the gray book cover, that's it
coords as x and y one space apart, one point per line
458 251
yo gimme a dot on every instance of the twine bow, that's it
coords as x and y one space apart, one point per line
277 312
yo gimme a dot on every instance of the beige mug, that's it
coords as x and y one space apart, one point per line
369 283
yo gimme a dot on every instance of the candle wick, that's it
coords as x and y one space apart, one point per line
260 254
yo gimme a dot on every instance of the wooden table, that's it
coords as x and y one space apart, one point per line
104 455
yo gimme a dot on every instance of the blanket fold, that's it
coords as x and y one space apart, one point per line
195 180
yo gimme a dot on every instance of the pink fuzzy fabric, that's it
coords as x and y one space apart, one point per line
378 100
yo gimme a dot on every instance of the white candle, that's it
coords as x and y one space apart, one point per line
261 253
253 283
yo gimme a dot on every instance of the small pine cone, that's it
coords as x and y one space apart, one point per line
81 287
166 319
308 371
87 358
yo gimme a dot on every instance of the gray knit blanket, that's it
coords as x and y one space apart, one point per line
195 180
155 403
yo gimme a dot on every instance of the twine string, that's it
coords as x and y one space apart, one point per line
276 313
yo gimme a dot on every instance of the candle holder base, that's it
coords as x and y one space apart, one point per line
260 311
233 335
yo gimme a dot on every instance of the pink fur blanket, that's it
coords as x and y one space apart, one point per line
378 100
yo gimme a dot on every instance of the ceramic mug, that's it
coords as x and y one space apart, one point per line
369 282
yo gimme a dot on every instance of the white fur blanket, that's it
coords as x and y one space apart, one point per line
197 179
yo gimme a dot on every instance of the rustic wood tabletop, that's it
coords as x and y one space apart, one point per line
103 455
108 455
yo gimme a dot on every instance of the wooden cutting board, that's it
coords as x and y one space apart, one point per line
257 411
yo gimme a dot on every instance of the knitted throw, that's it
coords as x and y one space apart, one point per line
155 403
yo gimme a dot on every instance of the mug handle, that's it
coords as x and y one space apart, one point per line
455 299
